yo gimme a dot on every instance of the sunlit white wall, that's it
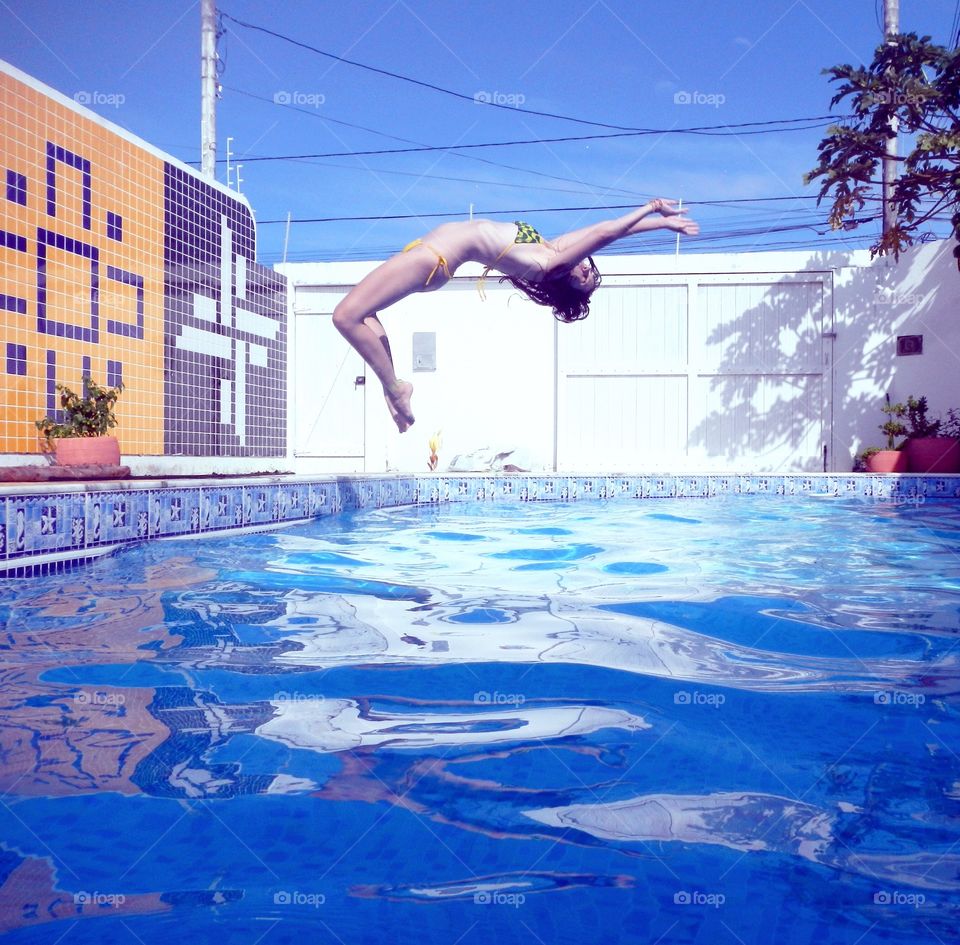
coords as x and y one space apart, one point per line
495 381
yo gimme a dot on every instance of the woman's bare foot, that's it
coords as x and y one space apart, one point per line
399 403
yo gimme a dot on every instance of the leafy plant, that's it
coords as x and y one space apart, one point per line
894 425
89 414
950 424
911 84
920 426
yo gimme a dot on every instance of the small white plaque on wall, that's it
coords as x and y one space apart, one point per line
424 351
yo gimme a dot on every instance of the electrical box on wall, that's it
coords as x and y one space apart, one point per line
909 344
424 351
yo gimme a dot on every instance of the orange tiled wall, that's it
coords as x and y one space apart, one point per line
117 263
59 301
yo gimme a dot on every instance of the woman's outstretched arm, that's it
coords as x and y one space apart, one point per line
577 245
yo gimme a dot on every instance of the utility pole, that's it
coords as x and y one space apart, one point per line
208 89
891 26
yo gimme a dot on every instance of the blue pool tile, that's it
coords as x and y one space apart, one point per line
112 517
39 524
259 505
221 507
173 512
405 490
367 494
324 498
290 503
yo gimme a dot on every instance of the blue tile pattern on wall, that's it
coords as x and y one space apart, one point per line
225 316
56 154
90 333
16 188
127 330
114 226
37 528
16 358
13 303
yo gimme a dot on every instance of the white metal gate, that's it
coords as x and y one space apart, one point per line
717 372
329 387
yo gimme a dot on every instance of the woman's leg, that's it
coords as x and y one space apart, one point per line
374 324
356 319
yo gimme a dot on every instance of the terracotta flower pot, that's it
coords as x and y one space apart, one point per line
88 451
887 461
934 454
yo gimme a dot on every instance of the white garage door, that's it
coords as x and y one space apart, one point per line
718 372
329 385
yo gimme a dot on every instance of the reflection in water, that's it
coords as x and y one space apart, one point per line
490 888
30 897
752 823
339 724
331 665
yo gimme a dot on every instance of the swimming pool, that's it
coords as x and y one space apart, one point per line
677 721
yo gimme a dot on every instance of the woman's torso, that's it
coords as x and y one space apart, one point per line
491 243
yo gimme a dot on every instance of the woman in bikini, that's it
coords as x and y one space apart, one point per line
559 273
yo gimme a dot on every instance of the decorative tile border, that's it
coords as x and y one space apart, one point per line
44 530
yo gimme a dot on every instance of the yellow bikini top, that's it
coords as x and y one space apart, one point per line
525 234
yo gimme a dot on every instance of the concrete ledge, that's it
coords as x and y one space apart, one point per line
61 473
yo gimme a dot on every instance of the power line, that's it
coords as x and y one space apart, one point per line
473 99
528 211
469 157
709 130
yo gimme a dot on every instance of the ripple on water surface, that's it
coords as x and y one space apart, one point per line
530 696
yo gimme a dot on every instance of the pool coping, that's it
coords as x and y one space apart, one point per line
44 529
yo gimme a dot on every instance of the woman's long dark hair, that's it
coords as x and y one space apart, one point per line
568 303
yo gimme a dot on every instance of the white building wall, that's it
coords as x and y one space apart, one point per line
920 295
495 385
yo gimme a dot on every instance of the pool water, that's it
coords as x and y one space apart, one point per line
728 720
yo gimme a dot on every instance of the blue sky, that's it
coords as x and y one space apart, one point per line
633 64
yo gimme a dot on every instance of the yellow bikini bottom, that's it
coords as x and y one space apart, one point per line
441 262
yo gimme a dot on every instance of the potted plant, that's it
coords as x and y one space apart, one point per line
81 437
891 459
930 448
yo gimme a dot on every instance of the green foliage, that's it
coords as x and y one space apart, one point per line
894 425
920 426
91 414
917 84
950 424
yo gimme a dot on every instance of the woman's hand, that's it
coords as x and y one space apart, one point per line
681 224
665 207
